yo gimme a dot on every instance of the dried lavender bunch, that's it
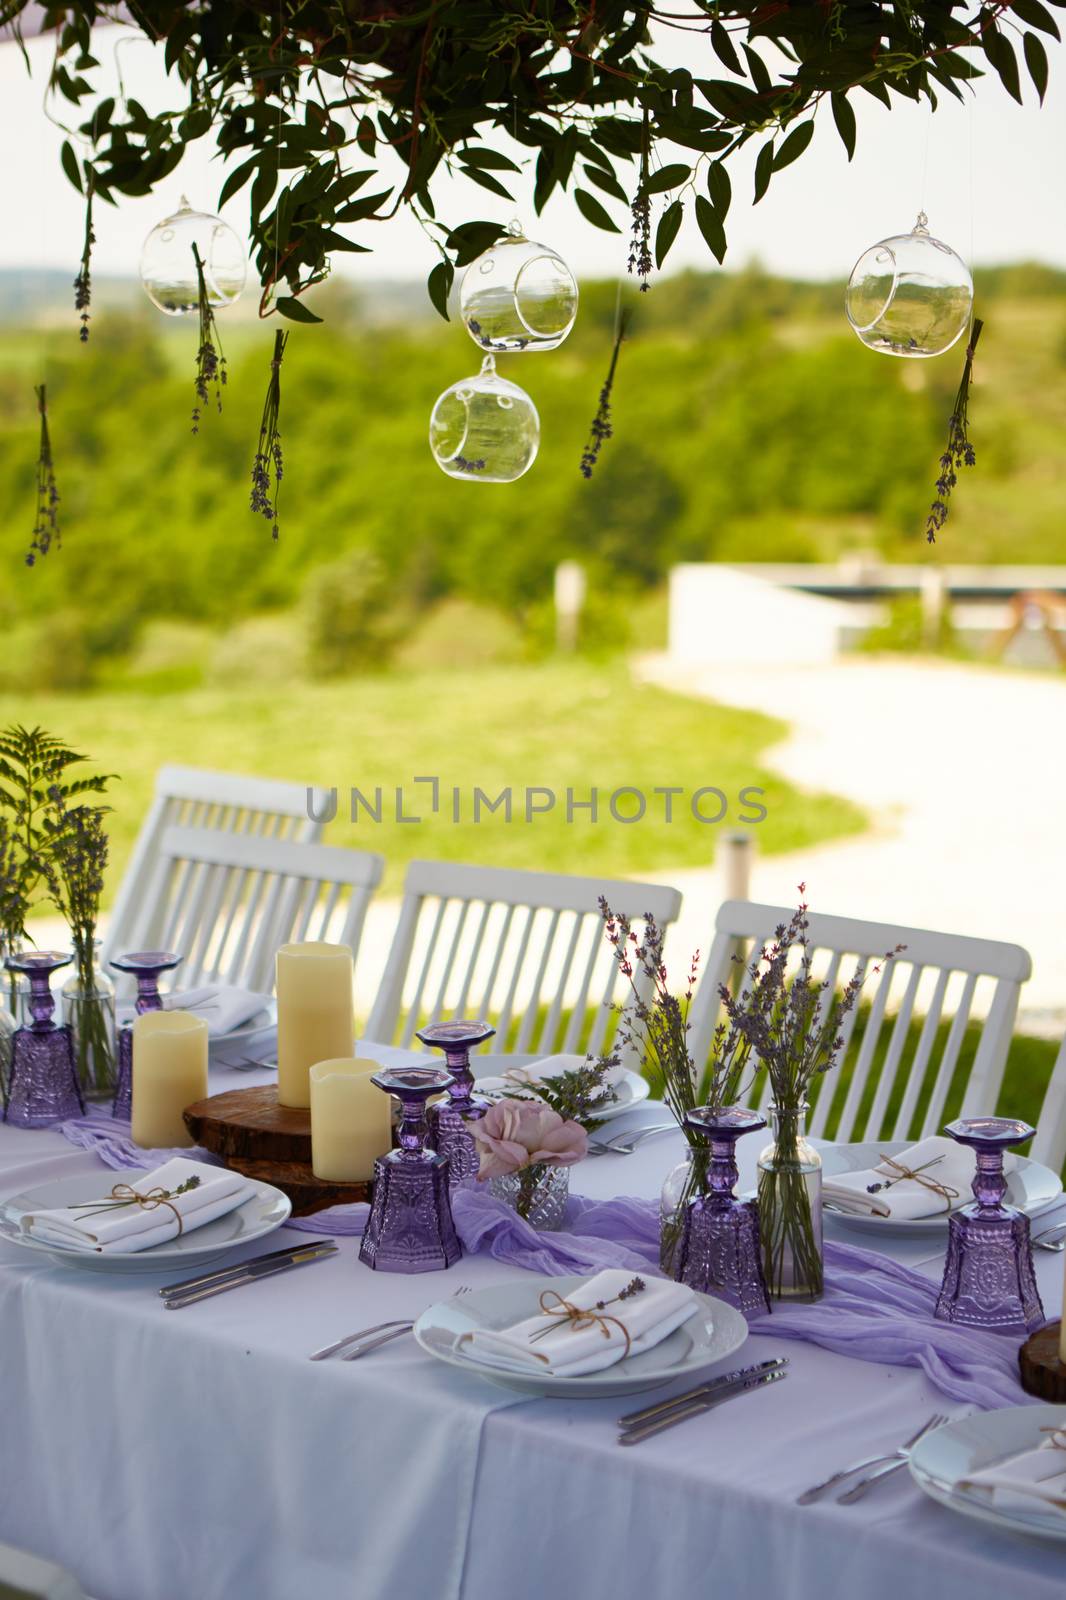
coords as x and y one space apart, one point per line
960 452
73 869
46 523
268 455
210 361
579 1095
602 428
83 282
640 257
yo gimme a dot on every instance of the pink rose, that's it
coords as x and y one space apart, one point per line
518 1133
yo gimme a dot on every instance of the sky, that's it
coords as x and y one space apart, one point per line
990 175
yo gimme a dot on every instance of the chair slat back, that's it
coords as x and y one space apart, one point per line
1049 1146
222 802
900 1059
226 901
524 949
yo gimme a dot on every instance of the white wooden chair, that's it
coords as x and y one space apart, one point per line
938 976
1049 1146
226 802
226 901
525 949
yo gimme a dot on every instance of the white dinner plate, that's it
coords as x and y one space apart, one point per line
939 1462
264 1210
1030 1187
629 1092
267 1018
712 1334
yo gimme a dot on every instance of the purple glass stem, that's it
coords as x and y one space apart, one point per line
43 1086
410 1227
146 966
449 1134
719 1251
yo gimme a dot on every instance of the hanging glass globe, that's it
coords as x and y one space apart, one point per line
518 296
910 295
168 266
484 429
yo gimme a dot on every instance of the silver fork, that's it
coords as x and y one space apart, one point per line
384 1330
857 1490
624 1144
1053 1238
817 1489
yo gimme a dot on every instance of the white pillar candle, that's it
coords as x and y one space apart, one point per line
316 1021
351 1120
169 1073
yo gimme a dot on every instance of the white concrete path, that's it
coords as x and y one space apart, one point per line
963 773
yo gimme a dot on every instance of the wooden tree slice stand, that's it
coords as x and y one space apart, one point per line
1042 1371
256 1136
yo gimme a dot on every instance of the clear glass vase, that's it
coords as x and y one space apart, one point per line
688 1181
790 1208
538 1193
8 1024
88 1001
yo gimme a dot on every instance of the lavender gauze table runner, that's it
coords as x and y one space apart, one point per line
874 1309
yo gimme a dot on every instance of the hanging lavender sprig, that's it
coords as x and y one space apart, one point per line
601 429
210 362
960 452
268 455
83 288
46 526
640 258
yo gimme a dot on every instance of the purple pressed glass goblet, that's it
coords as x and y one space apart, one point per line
448 1120
43 1086
719 1250
146 966
411 1227
988 1274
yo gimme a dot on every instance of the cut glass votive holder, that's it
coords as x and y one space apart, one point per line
449 1133
411 1227
147 967
989 1280
43 1083
719 1251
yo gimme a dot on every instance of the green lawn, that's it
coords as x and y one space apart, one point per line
557 725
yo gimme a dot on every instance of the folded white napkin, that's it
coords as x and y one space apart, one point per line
222 1006
552 1342
128 1228
907 1199
1032 1481
546 1067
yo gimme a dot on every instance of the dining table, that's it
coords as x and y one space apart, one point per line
199 1454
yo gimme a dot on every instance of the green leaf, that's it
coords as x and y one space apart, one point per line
1037 16
719 188
667 178
332 240
1000 53
724 49
294 309
237 180
439 285
794 145
1036 61
607 182
764 168
844 117
760 75
486 181
488 159
70 165
710 225
666 232
593 212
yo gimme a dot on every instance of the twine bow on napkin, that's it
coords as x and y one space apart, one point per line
124 1194
553 1304
919 1175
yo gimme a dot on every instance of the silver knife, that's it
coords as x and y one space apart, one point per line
268 1270
236 1267
711 1387
698 1407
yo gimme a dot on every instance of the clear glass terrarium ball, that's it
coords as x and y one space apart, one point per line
518 296
168 266
484 429
910 295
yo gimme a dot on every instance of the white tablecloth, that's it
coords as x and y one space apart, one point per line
198 1455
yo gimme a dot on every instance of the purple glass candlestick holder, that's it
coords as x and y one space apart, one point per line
719 1250
988 1274
43 1086
448 1134
411 1227
146 966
